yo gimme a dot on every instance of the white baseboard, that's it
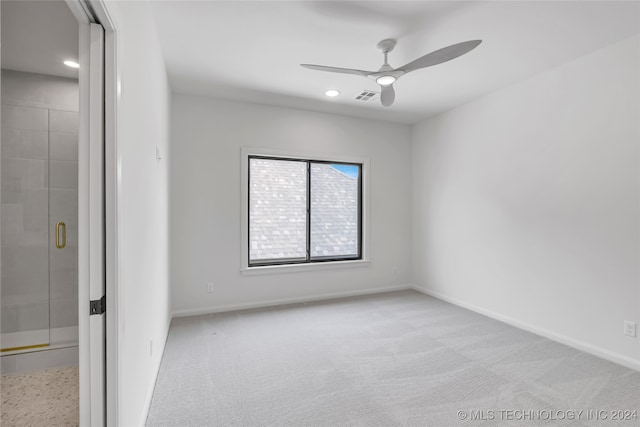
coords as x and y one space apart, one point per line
156 371
563 339
284 301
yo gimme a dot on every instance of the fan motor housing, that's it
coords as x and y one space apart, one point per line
386 45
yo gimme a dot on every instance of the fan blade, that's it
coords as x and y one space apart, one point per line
337 69
388 95
441 55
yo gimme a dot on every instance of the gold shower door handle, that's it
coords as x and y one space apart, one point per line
63 226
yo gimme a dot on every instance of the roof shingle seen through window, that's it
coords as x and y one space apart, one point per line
334 212
277 210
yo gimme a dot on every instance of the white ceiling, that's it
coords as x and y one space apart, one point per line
251 51
37 36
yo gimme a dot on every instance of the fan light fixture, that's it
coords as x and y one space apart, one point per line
386 76
385 80
71 64
332 93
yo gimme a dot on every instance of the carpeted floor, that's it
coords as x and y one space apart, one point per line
395 359
40 398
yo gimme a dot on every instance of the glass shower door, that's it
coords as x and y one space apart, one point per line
63 225
25 228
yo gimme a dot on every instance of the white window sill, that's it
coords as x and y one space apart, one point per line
296 268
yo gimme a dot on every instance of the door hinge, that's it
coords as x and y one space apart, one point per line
98 306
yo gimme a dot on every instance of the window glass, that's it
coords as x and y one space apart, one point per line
334 210
277 209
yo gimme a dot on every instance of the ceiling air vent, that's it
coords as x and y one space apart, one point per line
367 95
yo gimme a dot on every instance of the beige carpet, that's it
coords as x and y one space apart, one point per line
40 398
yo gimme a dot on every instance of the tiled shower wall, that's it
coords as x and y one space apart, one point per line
39 152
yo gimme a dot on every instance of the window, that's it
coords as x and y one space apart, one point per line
303 211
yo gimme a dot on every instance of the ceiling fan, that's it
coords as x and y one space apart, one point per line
387 75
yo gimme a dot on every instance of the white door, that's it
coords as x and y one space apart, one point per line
91 249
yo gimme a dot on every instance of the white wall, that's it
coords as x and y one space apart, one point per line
205 203
143 287
526 202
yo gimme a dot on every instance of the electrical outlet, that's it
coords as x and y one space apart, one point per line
630 329
209 287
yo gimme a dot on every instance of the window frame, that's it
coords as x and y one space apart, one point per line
308 258
309 263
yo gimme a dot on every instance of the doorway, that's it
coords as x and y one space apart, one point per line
39 221
53 354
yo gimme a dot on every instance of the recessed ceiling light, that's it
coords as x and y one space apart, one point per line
332 93
71 64
385 80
